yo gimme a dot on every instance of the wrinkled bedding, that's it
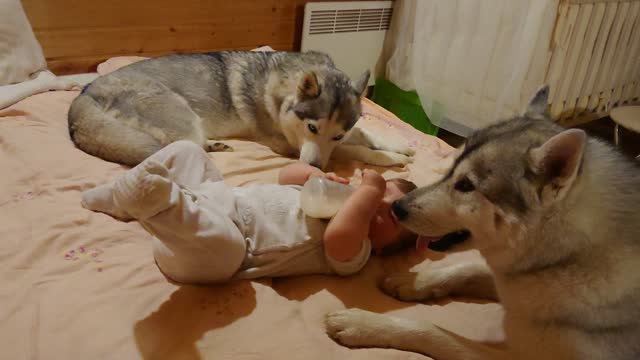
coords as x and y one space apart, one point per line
81 285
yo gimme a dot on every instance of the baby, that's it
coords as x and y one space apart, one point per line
205 231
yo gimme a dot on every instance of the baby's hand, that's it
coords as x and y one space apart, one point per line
373 179
333 177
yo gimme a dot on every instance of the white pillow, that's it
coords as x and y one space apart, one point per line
20 53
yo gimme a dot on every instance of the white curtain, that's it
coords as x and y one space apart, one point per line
472 62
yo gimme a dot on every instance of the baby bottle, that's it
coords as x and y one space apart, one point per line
321 198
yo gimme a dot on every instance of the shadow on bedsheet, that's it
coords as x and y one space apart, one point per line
359 291
174 328
363 290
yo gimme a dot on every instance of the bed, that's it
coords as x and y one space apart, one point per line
81 285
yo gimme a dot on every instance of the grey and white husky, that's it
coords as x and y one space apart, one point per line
556 218
298 104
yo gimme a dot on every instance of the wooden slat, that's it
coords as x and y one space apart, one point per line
577 84
631 72
582 92
567 16
571 61
633 61
605 69
624 49
596 58
633 91
559 33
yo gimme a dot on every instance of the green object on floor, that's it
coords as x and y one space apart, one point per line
404 104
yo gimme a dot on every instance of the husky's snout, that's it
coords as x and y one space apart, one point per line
314 155
436 236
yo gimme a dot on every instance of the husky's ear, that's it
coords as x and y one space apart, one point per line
557 162
360 84
539 105
308 88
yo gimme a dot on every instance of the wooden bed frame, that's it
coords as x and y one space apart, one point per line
77 35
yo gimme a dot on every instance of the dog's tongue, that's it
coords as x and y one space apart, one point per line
422 243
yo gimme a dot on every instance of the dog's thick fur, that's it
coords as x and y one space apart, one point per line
298 104
556 217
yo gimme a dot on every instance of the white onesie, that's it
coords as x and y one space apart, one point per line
206 231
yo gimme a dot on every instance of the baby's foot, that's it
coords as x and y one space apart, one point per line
100 199
144 190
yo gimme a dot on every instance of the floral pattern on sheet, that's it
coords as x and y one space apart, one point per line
91 255
24 196
20 197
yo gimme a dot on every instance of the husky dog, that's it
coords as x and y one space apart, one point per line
556 216
298 104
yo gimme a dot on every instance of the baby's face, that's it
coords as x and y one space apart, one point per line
384 228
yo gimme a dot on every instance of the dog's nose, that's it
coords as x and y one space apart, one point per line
399 210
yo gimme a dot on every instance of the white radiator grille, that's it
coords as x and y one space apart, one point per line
356 20
351 32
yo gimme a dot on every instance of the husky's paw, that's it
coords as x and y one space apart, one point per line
420 286
397 148
386 158
359 328
403 159
214 146
405 150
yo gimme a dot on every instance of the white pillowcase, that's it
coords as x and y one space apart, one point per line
20 53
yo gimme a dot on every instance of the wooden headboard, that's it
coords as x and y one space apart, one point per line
76 35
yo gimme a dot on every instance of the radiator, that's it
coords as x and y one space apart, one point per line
351 32
594 60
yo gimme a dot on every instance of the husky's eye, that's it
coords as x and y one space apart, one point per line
313 128
338 137
464 185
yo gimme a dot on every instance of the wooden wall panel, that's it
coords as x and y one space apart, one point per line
136 40
76 35
114 13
